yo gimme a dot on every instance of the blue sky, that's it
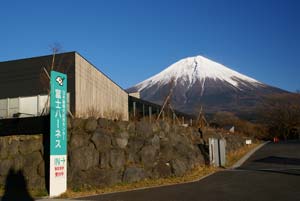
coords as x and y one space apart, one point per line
131 40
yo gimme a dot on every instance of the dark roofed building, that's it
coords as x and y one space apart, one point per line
90 91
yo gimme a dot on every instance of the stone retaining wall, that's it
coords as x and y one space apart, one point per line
103 152
23 153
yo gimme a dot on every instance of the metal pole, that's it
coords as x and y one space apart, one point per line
150 113
38 105
134 109
19 105
219 153
173 117
7 107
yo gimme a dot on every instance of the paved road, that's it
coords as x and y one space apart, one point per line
272 173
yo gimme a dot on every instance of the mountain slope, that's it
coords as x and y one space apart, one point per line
200 81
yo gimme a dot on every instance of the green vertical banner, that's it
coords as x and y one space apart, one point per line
58 133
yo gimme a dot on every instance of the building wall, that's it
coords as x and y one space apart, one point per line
25 77
135 94
96 94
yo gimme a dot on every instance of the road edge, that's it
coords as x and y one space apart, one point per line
236 165
248 155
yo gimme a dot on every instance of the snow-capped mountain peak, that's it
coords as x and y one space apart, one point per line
201 81
198 68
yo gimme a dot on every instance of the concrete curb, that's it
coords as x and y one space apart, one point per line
247 156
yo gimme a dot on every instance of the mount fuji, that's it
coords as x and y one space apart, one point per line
199 81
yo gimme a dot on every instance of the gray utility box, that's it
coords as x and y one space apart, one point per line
217 152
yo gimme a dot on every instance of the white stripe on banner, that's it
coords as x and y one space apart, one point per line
58 174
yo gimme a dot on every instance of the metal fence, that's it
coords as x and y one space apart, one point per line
26 106
139 108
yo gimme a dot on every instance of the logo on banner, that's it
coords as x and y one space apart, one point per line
60 80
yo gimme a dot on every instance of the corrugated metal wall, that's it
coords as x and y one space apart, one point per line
96 94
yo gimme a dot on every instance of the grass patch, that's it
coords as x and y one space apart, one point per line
33 193
235 156
38 193
1 190
192 175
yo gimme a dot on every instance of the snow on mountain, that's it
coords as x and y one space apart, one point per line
199 81
199 68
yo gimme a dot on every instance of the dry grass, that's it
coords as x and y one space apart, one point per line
191 176
235 156
21 137
108 114
38 193
112 114
32 193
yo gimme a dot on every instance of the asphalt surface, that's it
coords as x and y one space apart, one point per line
272 173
